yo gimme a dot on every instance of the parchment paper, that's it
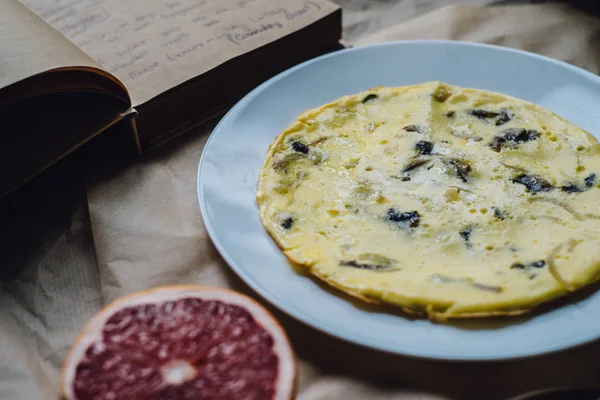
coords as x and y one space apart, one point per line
147 231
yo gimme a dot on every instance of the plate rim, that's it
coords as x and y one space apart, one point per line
299 315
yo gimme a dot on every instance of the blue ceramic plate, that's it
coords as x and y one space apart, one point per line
235 153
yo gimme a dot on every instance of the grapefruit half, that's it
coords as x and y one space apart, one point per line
181 342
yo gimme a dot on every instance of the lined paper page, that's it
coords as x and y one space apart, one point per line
28 46
152 46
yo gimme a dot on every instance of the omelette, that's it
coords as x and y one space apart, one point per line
444 201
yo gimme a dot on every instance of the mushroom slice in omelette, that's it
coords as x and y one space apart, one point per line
441 200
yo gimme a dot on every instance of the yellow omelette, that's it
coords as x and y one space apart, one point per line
444 201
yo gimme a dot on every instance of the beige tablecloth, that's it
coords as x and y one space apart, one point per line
147 231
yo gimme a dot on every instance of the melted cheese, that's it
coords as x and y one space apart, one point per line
438 199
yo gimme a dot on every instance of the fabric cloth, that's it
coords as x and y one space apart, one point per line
145 226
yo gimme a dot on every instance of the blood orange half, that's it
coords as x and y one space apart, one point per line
181 342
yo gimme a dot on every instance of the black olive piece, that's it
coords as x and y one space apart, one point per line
405 179
356 264
538 264
498 213
424 147
466 233
300 147
462 168
590 180
409 219
287 223
370 97
415 164
450 114
483 114
520 135
533 183
571 188
413 128
513 135
503 118
497 143
535 264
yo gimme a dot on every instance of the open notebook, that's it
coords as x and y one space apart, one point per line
70 69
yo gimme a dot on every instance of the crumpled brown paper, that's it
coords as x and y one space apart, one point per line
147 231
553 30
